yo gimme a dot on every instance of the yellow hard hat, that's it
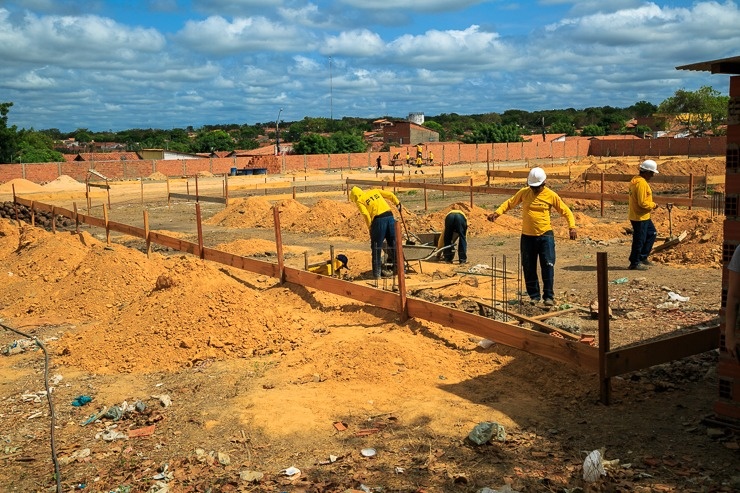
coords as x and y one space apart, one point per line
354 194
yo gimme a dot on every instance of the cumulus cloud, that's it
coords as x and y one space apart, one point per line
414 5
221 37
359 43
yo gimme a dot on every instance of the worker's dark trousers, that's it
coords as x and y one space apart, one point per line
643 237
382 228
456 223
542 248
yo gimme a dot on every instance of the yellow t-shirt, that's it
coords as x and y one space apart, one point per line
441 241
373 203
326 269
641 199
536 210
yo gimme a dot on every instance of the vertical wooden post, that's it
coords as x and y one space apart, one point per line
141 179
146 234
691 189
187 188
107 229
602 194
33 213
197 198
226 188
305 260
331 261
77 217
426 204
279 244
471 192
602 284
294 187
443 177
403 308
168 191
488 174
54 219
199 223
107 190
706 180
87 197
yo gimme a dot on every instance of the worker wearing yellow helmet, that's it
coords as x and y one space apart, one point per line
373 205
538 240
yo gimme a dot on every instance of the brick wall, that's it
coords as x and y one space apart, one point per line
449 153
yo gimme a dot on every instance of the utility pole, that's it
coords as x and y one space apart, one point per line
277 133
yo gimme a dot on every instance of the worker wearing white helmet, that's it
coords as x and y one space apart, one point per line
641 205
373 205
538 240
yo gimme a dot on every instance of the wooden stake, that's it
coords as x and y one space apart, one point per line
33 213
279 244
53 219
199 224
403 308
77 218
602 285
107 227
146 234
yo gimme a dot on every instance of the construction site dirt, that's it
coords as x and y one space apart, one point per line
249 385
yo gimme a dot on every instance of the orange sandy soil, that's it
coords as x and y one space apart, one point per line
258 373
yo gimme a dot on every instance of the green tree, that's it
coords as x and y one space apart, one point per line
563 127
698 111
312 143
343 142
592 130
485 133
8 145
642 109
432 125
215 140
36 147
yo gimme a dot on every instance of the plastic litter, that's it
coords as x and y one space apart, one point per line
593 469
621 280
485 431
485 343
291 471
368 452
504 489
115 413
81 400
677 297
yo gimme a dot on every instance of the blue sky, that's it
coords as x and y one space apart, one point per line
105 64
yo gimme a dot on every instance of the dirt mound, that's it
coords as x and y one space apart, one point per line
244 213
703 245
205 173
21 185
157 176
64 182
333 218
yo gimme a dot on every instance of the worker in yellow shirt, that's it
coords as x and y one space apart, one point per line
419 164
373 206
641 205
431 158
456 228
538 240
329 268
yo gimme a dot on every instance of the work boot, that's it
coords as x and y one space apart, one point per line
647 262
549 302
386 273
638 267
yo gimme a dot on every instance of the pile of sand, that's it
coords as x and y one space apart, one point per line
21 185
65 183
157 176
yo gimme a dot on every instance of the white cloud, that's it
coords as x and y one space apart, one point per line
218 36
414 5
360 43
31 80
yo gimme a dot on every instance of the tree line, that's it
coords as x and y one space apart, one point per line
699 112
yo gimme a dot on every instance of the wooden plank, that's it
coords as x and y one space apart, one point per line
660 178
99 185
537 323
502 173
358 292
555 313
126 229
198 198
174 243
621 361
92 220
244 263
554 348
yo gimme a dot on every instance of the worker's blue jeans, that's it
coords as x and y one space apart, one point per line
456 223
543 248
383 228
643 238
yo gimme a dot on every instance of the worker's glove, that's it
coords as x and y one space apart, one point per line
573 234
492 217
400 208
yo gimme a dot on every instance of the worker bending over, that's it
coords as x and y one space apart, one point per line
456 227
373 206
329 268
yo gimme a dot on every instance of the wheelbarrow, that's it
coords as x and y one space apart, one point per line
425 248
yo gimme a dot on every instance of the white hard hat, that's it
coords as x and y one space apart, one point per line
536 177
649 165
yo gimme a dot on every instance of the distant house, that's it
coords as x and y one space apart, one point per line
102 156
162 154
404 132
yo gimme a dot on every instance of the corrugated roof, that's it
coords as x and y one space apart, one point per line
722 66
